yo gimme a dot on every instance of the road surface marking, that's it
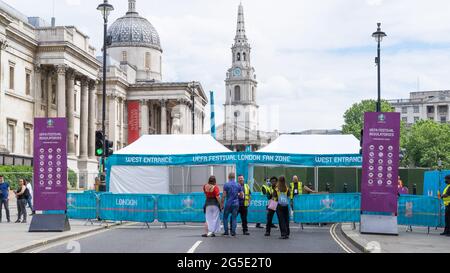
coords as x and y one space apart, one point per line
194 247
339 241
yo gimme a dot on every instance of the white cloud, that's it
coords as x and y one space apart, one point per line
313 59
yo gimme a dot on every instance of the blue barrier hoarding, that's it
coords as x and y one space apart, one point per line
257 212
418 211
327 208
82 205
127 207
181 208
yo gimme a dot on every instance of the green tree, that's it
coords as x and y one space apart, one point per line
354 117
427 142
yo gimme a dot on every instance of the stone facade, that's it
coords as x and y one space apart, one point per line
53 71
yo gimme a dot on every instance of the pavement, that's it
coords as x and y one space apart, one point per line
15 238
416 241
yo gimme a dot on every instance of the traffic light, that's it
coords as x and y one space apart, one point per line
99 146
109 148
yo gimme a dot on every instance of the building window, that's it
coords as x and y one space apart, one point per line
11 136
404 110
405 119
28 82
430 109
443 119
54 94
237 93
42 89
147 60
124 56
75 104
244 56
11 77
416 109
27 139
239 57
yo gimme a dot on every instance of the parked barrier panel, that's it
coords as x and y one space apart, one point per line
327 208
418 211
181 208
257 212
127 207
82 205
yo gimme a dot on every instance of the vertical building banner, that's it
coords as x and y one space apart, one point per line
50 164
381 153
133 121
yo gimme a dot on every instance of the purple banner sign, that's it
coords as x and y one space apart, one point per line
50 164
381 152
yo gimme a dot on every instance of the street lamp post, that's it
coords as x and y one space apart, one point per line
379 35
105 8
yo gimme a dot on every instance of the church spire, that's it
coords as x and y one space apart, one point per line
240 31
131 6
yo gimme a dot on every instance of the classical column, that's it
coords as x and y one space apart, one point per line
92 120
49 82
163 117
145 122
111 134
37 90
84 108
70 111
61 97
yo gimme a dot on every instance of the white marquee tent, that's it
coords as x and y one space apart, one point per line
165 179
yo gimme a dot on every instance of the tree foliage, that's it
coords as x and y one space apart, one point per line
354 117
427 142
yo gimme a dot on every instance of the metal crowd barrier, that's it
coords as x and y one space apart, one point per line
188 208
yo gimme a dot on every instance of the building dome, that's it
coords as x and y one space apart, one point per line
132 30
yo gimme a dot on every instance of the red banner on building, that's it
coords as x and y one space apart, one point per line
133 121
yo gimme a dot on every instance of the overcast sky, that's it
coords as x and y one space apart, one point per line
313 59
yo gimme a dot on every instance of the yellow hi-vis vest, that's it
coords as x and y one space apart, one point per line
296 190
246 195
266 190
446 199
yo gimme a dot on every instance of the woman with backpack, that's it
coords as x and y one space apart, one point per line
22 195
281 194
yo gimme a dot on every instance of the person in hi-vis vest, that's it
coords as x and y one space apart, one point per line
244 203
446 198
297 188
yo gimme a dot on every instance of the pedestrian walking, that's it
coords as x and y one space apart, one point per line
22 194
281 195
30 197
4 198
269 190
446 199
244 203
231 193
212 207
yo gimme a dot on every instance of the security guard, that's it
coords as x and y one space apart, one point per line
268 191
244 203
296 189
446 199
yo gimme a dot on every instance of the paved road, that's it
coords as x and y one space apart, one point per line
136 238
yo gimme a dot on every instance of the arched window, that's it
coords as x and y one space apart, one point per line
237 93
239 57
253 94
147 60
244 56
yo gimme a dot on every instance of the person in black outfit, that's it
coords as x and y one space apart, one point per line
446 198
270 213
22 194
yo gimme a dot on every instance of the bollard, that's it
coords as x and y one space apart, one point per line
345 188
415 189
